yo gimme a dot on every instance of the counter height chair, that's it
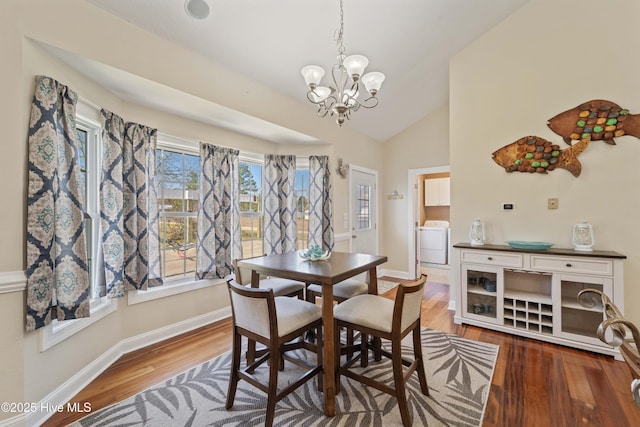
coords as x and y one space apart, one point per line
617 331
342 291
274 322
281 287
391 320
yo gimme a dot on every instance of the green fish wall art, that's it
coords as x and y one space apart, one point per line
598 120
534 154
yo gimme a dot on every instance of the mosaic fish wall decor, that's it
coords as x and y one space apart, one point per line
597 120
534 154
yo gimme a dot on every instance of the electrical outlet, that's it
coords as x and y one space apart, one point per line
508 206
552 203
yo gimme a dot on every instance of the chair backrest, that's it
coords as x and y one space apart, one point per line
408 303
253 309
243 275
617 331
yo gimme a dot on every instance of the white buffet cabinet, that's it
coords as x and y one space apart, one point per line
534 293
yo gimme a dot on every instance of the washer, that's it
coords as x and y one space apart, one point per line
434 242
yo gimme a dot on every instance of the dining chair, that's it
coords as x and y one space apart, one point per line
274 322
342 291
383 318
281 287
616 331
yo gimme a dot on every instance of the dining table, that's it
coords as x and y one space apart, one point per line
328 272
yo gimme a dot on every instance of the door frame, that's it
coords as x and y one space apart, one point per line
412 188
373 172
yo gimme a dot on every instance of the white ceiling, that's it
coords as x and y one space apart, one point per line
410 41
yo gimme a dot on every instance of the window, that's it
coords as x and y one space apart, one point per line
178 197
302 204
363 206
89 147
251 214
250 173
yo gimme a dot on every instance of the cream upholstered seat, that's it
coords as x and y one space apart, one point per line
280 286
341 291
274 322
392 320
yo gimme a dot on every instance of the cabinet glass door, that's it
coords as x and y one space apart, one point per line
480 292
576 320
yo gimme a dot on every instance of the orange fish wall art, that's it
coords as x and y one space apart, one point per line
595 120
536 154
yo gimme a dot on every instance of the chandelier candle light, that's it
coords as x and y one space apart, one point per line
342 98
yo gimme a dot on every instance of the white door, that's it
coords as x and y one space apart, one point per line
364 227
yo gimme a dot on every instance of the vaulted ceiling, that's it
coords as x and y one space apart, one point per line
410 41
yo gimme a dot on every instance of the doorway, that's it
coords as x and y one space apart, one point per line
363 185
416 214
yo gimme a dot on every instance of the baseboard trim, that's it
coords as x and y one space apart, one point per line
71 387
394 273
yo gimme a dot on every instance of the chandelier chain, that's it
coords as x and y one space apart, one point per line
341 32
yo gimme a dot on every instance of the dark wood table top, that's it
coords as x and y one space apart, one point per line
340 266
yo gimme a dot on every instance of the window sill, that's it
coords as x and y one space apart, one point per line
56 332
173 288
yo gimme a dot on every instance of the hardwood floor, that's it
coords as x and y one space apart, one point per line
534 383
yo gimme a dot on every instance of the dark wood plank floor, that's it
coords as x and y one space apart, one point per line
534 384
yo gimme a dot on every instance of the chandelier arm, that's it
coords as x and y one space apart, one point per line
310 95
370 102
322 111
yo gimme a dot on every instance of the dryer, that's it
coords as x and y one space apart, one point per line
434 242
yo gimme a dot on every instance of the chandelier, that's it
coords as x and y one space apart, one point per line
344 96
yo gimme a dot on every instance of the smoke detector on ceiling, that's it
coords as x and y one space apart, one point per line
197 9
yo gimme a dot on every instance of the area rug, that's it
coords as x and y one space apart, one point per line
385 286
458 371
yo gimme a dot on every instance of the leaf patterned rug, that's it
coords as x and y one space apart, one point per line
459 372
385 286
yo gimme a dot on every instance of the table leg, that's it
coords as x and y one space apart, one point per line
251 344
372 276
373 289
329 349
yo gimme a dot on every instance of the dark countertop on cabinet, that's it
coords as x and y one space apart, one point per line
550 251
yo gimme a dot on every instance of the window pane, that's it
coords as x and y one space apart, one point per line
363 203
82 157
250 175
178 198
302 205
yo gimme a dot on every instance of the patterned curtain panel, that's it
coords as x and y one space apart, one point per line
57 269
280 225
320 206
128 206
218 239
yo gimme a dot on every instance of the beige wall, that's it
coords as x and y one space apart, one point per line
26 374
546 58
423 145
